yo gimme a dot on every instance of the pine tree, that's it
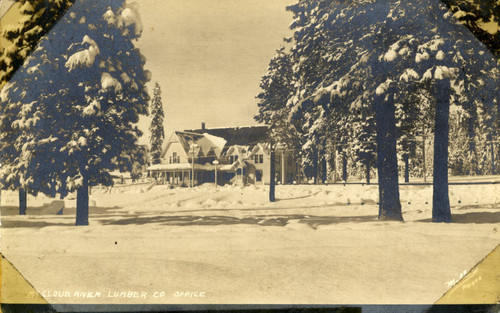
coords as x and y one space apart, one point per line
276 87
329 49
364 138
11 148
38 17
378 51
272 174
156 128
75 102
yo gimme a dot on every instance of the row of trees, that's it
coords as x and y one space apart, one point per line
68 115
366 77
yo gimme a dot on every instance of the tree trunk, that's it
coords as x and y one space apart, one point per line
23 201
82 204
324 173
334 167
315 166
406 158
344 167
471 133
387 163
283 173
440 199
367 171
424 164
492 159
272 171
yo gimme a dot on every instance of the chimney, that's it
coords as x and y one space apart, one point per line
202 125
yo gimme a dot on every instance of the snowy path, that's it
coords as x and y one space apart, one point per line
232 246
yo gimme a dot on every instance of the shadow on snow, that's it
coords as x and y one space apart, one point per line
37 218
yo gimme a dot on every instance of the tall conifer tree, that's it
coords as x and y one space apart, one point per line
71 109
156 128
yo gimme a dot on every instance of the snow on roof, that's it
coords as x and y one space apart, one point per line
219 142
241 149
240 135
205 145
260 146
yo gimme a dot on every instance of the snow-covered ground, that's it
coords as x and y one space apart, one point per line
315 244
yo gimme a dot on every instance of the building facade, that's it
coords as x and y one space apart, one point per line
241 154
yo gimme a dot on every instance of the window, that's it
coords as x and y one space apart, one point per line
258 158
290 161
174 158
233 159
258 175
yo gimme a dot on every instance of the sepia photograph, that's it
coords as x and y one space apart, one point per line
250 155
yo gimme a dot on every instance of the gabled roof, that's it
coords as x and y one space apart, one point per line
260 146
205 145
243 136
241 150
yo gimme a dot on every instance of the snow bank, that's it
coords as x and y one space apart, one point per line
234 245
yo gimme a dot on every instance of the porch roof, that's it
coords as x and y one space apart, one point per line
205 167
180 167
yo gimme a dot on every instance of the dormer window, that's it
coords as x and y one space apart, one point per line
233 158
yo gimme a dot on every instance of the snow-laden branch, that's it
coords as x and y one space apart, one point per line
108 81
128 17
84 57
440 72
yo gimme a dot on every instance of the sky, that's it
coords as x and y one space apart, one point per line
209 56
7 16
